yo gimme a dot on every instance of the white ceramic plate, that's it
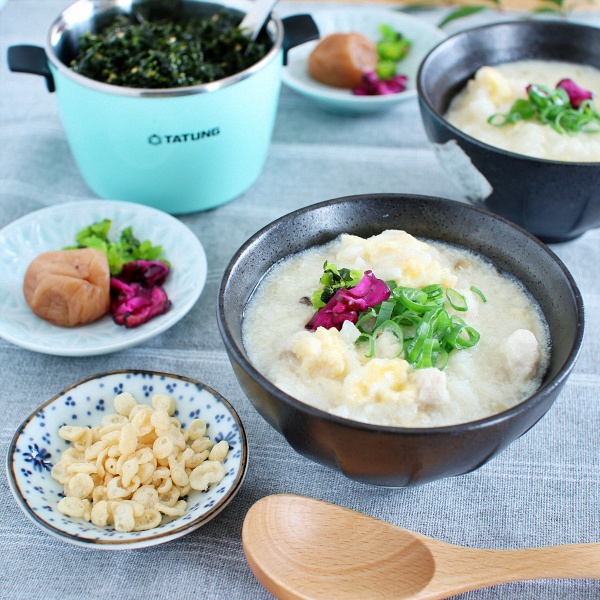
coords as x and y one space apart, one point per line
36 448
54 228
366 21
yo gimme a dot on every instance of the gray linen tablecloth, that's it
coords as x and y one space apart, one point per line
543 490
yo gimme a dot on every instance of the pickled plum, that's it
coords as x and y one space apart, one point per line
68 287
341 59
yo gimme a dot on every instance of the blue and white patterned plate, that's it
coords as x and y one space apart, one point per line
36 447
54 228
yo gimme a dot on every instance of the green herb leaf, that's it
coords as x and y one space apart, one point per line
127 249
332 280
392 47
465 11
551 107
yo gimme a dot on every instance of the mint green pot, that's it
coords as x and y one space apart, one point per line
180 150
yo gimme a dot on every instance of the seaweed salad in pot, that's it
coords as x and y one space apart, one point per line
138 52
177 111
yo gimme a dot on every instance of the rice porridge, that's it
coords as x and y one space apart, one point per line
494 90
335 369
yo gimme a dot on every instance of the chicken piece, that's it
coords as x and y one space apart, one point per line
521 354
433 394
68 287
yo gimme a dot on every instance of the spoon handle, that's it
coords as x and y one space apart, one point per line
254 20
469 569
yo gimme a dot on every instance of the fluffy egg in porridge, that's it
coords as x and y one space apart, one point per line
542 109
396 331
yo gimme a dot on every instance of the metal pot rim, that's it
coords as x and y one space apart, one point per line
84 9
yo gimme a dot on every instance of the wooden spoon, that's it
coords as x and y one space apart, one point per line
299 547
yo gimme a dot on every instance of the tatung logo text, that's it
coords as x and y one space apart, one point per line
180 138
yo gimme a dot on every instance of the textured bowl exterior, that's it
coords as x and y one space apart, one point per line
394 456
556 201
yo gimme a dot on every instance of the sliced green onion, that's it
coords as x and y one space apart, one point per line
473 338
408 319
364 317
367 337
456 320
415 347
454 339
392 328
384 314
429 354
415 300
440 324
434 291
442 359
457 300
449 340
478 292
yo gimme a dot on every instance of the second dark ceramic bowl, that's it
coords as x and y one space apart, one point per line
556 201
396 456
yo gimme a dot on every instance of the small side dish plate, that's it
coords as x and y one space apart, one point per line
36 447
54 228
365 20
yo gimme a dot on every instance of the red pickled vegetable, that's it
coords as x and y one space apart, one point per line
137 294
371 85
346 303
147 272
576 94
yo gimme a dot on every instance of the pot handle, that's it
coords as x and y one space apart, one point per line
30 59
298 29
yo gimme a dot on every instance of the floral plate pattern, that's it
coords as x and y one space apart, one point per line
36 447
54 228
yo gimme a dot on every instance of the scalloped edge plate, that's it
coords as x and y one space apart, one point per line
36 446
366 21
55 227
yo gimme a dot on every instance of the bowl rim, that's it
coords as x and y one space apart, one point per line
152 537
424 97
531 400
63 23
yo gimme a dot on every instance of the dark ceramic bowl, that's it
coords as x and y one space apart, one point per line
556 201
396 456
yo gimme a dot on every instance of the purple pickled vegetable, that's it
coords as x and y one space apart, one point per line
576 94
133 304
137 294
147 272
378 292
371 85
347 303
